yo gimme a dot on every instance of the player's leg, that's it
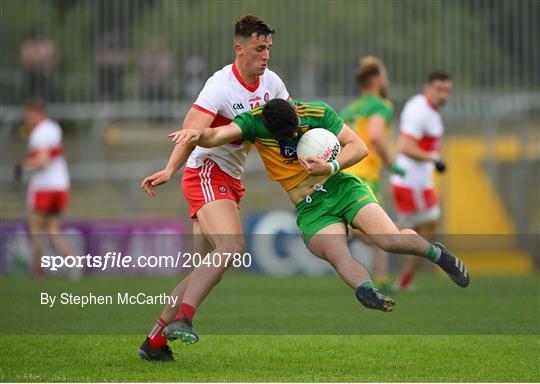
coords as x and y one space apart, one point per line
412 264
373 221
220 221
203 246
155 345
52 226
379 261
36 223
330 244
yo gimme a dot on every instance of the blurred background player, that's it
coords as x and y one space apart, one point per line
421 131
211 182
370 117
48 190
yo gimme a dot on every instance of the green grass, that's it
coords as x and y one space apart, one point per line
256 328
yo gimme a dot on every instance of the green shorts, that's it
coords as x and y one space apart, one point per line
375 186
343 196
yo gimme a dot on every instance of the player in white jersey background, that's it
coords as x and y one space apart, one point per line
421 132
211 181
48 190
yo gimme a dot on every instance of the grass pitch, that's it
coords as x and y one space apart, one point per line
256 328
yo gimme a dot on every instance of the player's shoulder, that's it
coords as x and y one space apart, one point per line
47 126
417 101
379 102
46 132
220 77
312 105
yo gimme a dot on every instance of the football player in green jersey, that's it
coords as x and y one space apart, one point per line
326 199
370 117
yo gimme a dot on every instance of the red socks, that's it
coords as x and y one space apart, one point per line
156 339
185 311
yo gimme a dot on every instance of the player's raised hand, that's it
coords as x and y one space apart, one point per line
150 182
315 166
185 136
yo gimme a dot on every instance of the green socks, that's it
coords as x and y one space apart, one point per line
433 253
366 284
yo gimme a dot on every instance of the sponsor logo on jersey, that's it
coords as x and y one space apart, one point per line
287 150
238 106
222 189
258 98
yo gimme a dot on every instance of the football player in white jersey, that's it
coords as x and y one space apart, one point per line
421 131
48 190
211 181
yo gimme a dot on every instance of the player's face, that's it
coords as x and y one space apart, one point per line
31 117
439 91
255 53
383 82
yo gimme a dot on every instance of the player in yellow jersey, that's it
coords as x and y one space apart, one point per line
370 117
326 199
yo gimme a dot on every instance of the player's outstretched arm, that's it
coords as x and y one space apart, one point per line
207 137
194 119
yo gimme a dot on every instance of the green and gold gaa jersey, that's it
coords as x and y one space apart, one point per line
356 116
279 156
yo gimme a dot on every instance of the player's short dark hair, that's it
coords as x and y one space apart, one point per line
438 75
246 25
36 104
369 67
280 118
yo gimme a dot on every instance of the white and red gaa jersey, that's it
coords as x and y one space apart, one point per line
224 96
54 176
421 121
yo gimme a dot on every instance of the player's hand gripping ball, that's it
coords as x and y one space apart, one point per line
318 142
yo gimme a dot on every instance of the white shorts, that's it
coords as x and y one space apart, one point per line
414 219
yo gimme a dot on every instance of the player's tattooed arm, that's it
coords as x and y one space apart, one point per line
208 137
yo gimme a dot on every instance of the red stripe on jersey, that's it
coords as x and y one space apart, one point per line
427 143
199 108
222 120
53 152
219 121
251 88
